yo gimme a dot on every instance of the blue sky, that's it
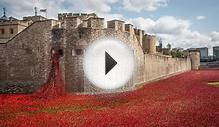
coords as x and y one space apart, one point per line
182 23
185 10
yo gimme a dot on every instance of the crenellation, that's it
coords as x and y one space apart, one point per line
76 14
96 23
149 44
92 15
136 31
139 34
69 14
118 25
84 14
81 16
129 28
72 22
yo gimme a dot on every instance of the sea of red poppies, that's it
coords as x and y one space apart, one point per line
183 100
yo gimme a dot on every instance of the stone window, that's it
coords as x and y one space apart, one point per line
32 71
28 50
11 71
2 31
77 52
11 31
61 52
81 33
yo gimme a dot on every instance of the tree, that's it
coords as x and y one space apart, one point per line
169 46
177 53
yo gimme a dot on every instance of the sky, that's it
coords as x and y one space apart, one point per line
182 23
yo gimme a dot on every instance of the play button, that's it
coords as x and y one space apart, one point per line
108 63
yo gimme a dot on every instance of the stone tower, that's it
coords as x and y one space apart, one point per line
195 59
149 44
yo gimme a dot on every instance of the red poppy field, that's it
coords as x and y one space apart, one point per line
183 100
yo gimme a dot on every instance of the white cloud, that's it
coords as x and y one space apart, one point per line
175 31
19 8
171 29
146 24
164 25
200 17
215 36
26 7
171 25
109 16
148 5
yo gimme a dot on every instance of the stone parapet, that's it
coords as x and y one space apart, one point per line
116 24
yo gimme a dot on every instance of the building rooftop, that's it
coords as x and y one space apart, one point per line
203 48
116 20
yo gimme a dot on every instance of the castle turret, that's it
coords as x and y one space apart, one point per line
149 44
97 23
195 59
129 28
118 25
139 34
72 22
62 16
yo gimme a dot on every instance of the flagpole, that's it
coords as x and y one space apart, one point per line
35 6
44 11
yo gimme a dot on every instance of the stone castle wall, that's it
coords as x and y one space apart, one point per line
26 57
149 67
162 66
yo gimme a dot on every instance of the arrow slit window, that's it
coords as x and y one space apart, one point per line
77 52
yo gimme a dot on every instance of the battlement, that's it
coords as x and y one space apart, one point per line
84 20
150 36
116 24
34 18
72 22
128 27
81 16
18 22
138 32
95 23
149 44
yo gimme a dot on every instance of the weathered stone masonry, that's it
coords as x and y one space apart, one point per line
26 57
